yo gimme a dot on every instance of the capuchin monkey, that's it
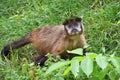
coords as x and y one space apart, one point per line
52 39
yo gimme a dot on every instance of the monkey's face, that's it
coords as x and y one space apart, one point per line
73 26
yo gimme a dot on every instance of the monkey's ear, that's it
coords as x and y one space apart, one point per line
78 19
65 22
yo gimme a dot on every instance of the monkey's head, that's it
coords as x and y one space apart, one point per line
73 26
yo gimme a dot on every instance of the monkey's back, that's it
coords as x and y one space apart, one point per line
47 39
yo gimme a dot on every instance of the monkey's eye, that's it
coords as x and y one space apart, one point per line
76 25
69 26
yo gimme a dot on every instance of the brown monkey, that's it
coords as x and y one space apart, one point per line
52 39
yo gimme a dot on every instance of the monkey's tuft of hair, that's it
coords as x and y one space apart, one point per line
77 19
67 21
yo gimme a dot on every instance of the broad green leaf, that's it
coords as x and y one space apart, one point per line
78 51
87 65
75 67
95 69
115 62
103 73
91 55
101 61
112 75
118 70
66 71
81 73
56 66
80 58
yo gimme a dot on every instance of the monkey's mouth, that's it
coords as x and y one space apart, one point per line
75 32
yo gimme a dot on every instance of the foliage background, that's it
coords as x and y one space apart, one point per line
17 17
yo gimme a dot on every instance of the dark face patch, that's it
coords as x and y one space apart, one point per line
73 26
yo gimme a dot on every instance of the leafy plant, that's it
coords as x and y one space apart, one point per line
107 66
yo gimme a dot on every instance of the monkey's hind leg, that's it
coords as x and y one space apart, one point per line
41 60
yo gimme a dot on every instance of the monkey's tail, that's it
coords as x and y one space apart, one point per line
16 44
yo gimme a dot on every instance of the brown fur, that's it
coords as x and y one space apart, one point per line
50 39
54 40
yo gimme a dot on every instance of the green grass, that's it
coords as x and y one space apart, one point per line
19 17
